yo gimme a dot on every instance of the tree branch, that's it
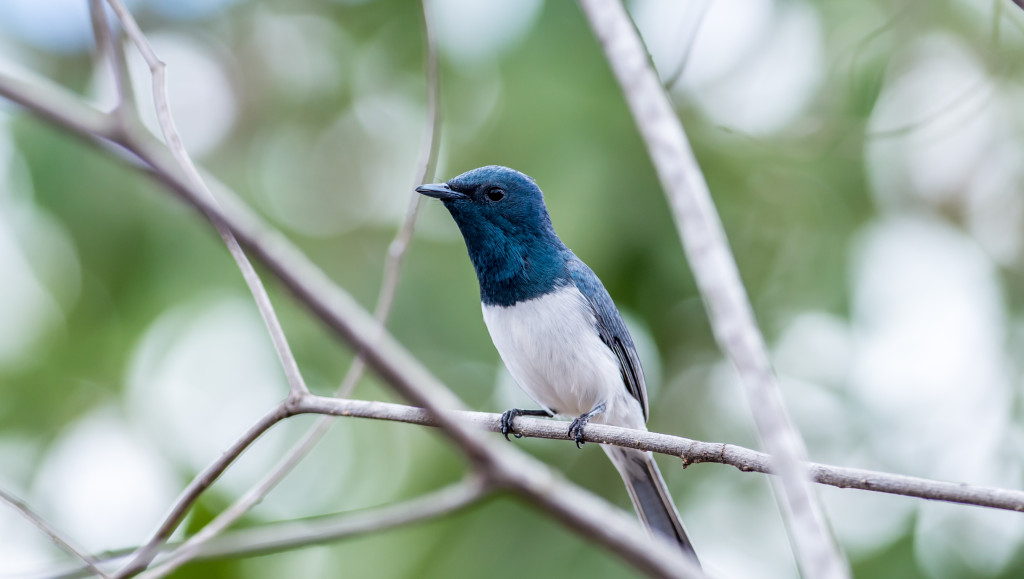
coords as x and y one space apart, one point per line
677 73
717 277
56 536
690 451
57 106
110 47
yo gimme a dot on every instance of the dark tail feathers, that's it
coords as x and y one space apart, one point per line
650 495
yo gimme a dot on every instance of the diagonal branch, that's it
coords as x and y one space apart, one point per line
204 480
56 536
718 279
392 270
110 47
687 50
56 105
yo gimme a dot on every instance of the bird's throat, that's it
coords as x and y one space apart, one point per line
511 270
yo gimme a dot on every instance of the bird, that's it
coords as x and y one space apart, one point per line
556 328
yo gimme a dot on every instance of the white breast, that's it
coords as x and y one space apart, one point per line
552 348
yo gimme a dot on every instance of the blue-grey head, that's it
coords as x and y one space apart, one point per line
502 217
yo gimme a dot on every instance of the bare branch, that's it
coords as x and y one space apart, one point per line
145 554
428 166
690 451
714 269
169 129
57 106
396 252
56 536
673 77
110 47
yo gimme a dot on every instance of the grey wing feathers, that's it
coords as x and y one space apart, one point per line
612 329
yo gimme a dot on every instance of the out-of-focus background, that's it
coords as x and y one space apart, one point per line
866 158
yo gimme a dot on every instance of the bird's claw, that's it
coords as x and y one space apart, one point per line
576 430
506 422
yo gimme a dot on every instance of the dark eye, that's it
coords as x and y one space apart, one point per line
495 194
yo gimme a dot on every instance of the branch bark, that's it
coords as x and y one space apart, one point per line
718 279
110 47
689 450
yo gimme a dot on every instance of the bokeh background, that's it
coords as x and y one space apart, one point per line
866 158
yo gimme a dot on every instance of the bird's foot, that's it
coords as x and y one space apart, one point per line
509 415
576 428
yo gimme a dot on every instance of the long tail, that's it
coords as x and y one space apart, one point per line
650 495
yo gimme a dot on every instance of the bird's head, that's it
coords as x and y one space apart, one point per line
495 205
507 230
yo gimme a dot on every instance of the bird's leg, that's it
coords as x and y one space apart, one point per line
576 428
509 415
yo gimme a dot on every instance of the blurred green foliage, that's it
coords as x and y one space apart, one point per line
792 202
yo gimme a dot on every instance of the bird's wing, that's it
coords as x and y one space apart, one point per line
611 328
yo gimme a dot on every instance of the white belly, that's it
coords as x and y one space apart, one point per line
552 348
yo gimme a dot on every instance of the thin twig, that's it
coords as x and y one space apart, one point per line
111 48
50 531
673 77
392 272
158 69
145 554
717 276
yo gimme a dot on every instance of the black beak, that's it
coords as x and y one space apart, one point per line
440 191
